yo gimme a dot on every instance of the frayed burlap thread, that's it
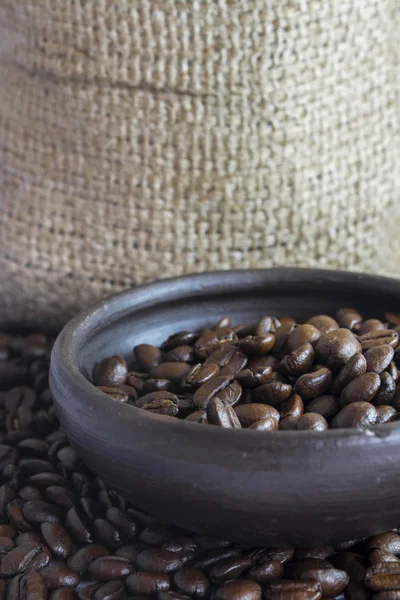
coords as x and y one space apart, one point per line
146 139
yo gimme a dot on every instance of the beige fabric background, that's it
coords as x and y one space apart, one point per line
148 138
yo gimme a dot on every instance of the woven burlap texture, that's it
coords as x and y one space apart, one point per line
142 139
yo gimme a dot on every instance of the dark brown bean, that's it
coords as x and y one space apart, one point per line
272 393
336 348
252 378
77 527
112 371
60 495
235 364
288 423
182 338
231 568
220 412
33 587
293 407
9 531
266 572
123 522
62 594
29 536
212 339
312 385
361 389
156 385
379 337
389 541
82 558
159 560
192 582
57 538
199 416
286 589
301 335
321 552
379 556
385 414
160 402
267 325
356 414
257 345
6 544
222 355
114 392
323 323
146 583
199 374
268 424
332 581
379 358
231 394
58 576
107 568
250 413
281 337
383 577
210 389
370 325
356 366
240 590
354 564
327 406
348 318
113 590
387 595
173 371
19 559
313 422
386 391
180 354
148 356
393 371
106 533
299 361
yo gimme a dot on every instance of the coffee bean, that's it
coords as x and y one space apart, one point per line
62 594
321 552
81 560
161 402
281 337
336 348
37 511
379 358
212 339
385 414
207 560
323 323
302 334
386 391
199 374
370 325
380 556
393 372
182 338
147 583
86 592
19 559
257 345
108 568
293 407
239 590
250 413
327 406
356 414
299 361
156 535
183 354
57 538
148 356
266 572
379 337
288 423
76 525
210 389
8 531
285 589
123 522
156 385
272 393
6 544
106 533
348 318
383 577
113 590
220 412
199 416
231 394
354 564
361 389
33 587
231 568
173 371
29 536
57 576
192 582
267 325
356 366
6 495
390 542
268 424
332 581
112 371
313 422
114 393
252 378
60 496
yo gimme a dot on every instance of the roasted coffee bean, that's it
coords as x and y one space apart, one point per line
240 590
268 571
37 511
207 560
336 348
113 590
9 531
393 372
386 391
250 413
272 393
86 592
370 325
267 325
293 407
257 345
313 422
356 414
199 374
210 389
60 495
199 416
354 564
106 533
62 594
161 402
81 560
6 544
361 389
173 371
327 406
123 522
57 576
321 552
180 354
16 517
379 358
114 392
112 371
107 568
182 338
57 538
299 361
285 589
348 318
356 366
379 337
281 337
76 525
383 577
192 582
323 323
19 559
312 385
6 495
222 355
252 378
288 423
156 535
268 424
168 596
385 414
159 560
231 394
29 536
231 568
302 334
332 581
379 556
147 583
220 412
33 587
390 542
211 339
148 356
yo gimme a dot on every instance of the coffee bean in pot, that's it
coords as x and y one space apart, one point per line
112 371
336 348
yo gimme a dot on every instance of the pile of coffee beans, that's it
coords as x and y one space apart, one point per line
64 535
274 374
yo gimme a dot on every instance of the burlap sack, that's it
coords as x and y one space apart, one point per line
148 138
